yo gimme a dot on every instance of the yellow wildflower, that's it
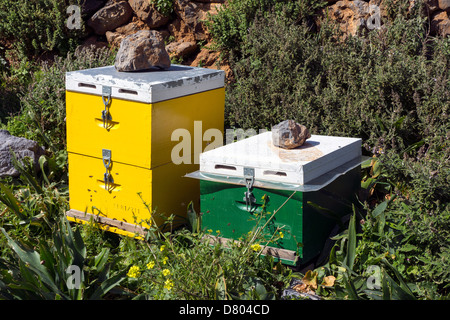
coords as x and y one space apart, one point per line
168 284
166 272
151 265
163 247
256 247
281 234
164 260
210 230
134 272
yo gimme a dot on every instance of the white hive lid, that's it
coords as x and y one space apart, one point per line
317 156
146 86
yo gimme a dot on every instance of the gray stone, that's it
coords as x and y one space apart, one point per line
142 50
111 16
21 147
89 7
288 134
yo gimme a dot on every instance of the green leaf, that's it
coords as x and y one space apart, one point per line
385 287
74 241
194 218
413 146
380 123
403 291
351 245
42 161
107 285
11 202
33 261
366 184
367 163
377 169
399 122
47 257
379 209
101 259
220 289
24 172
351 290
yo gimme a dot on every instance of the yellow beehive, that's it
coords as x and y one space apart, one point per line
119 140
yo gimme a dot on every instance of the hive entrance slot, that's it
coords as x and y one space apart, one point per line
87 85
222 166
274 173
128 91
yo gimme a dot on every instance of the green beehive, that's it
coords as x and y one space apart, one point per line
297 195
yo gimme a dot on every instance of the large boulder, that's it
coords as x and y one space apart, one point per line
440 23
444 4
147 12
111 16
21 147
115 37
181 48
142 50
89 7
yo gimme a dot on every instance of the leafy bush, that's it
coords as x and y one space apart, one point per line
43 274
229 27
35 27
43 105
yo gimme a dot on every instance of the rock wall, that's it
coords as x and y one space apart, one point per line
185 32
354 16
186 35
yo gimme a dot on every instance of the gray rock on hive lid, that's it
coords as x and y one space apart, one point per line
288 134
142 50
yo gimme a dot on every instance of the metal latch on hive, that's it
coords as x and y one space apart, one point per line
107 178
249 177
106 97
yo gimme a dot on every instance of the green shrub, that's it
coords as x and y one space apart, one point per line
43 105
46 271
37 26
229 27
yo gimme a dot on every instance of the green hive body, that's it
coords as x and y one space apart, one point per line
304 226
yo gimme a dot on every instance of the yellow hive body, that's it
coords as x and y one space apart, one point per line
120 166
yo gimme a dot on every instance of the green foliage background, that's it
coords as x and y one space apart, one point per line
37 26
